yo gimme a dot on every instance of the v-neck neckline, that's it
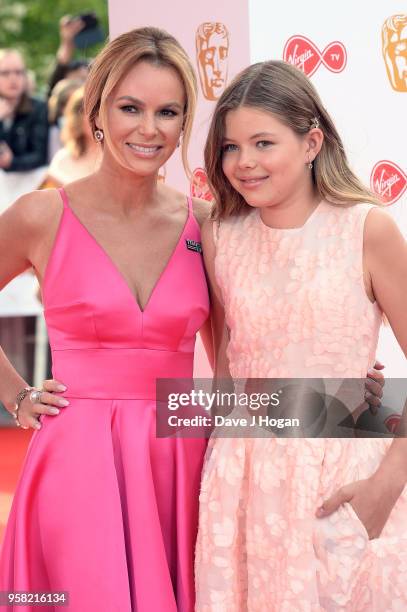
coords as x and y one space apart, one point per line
113 264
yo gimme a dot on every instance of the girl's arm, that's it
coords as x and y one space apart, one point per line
385 260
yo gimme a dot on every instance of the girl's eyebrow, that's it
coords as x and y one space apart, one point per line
262 134
257 135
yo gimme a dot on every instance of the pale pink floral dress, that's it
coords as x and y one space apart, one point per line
296 307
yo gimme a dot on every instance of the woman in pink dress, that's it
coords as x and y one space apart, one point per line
104 510
302 266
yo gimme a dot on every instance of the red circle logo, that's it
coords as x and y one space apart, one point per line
389 181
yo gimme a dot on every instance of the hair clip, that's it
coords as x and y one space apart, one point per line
314 123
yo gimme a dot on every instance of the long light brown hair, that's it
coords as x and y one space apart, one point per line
120 55
73 134
283 90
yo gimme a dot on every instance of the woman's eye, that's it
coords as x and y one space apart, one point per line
227 148
263 144
128 108
168 112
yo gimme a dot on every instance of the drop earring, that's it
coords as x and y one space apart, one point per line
99 135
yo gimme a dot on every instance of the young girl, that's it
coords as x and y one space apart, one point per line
304 265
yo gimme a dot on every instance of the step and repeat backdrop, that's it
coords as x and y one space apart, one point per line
354 52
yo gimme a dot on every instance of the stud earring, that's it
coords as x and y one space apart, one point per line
99 135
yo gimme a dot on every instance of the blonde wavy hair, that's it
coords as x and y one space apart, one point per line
120 55
283 90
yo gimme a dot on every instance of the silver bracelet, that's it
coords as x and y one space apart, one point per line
20 396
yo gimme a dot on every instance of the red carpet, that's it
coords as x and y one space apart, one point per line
13 446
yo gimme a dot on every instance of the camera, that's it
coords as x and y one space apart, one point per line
91 33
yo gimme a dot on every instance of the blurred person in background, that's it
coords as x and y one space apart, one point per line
81 154
23 119
56 108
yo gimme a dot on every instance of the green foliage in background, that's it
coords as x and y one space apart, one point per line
32 26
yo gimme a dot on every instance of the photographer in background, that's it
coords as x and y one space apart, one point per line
23 119
66 67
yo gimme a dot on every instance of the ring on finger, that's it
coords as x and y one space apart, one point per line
35 396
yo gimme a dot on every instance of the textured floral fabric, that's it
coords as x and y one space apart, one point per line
296 306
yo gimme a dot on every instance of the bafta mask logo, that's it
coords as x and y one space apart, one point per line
199 185
394 39
212 51
301 52
388 181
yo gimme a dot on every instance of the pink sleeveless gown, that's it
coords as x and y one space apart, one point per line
104 509
296 306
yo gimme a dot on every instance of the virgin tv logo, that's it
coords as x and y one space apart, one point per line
301 52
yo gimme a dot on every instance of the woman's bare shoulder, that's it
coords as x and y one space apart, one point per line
34 211
25 227
202 210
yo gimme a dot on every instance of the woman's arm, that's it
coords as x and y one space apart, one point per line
201 212
206 336
15 239
385 260
21 232
220 334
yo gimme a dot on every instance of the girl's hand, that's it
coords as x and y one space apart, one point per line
374 387
29 413
371 499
